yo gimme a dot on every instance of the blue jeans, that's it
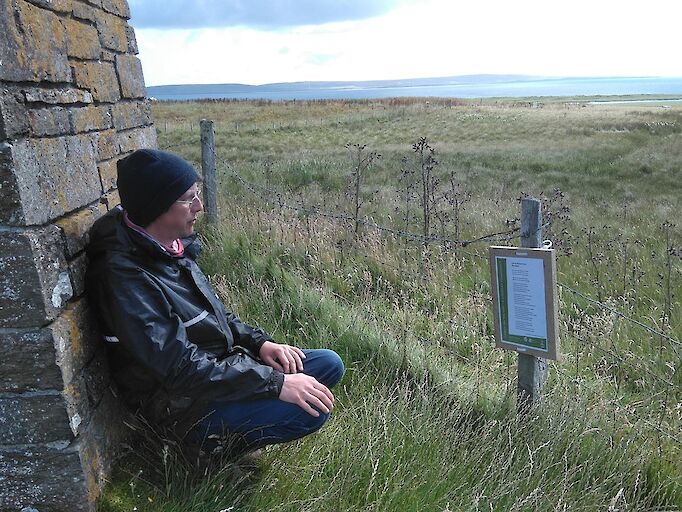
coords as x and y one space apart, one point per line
252 424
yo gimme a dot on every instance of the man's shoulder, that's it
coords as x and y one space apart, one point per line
110 246
106 231
193 246
110 238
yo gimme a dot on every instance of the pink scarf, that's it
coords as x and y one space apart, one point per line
175 249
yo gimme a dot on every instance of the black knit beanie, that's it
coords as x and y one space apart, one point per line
150 181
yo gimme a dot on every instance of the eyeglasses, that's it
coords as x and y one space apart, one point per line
190 202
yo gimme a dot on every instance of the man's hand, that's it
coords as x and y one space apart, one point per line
304 391
285 358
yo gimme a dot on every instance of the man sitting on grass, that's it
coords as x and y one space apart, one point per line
178 357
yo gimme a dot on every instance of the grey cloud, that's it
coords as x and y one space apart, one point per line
262 14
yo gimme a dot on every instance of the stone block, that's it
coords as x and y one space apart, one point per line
59 6
90 118
132 40
32 44
49 121
99 442
117 7
111 199
47 478
106 145
77 269
33 417
56 96
13 120
130 140
99 78
34 283
84 393
11 210
108 173
77 406
84 11
129 69
131 114
50 177
82 41
75 227
28 361
76 339
108 56
112 31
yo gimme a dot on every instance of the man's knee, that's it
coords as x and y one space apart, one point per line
337 368
328 366
307 425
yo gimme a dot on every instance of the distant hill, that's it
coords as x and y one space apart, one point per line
160 91
466 86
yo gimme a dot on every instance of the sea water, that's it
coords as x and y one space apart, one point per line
367 90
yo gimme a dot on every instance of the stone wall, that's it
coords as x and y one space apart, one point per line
72 101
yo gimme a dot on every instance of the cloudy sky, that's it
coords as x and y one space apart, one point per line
266 41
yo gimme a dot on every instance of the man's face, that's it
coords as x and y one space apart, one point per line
178 221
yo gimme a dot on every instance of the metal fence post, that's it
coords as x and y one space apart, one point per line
532 371
210 187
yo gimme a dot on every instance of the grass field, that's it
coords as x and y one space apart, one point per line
426 413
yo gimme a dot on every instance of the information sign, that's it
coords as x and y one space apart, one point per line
524 300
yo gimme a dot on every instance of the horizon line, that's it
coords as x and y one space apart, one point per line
527 77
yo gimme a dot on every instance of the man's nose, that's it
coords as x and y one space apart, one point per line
198 205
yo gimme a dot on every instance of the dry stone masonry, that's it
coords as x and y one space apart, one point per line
72 102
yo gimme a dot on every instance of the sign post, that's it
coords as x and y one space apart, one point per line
525 304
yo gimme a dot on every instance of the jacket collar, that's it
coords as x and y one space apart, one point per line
147 244
178 249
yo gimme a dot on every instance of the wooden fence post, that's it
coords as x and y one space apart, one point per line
532 371
210 187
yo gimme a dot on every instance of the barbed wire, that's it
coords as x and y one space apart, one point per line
502 236
620 314
620 359
623 361
661 431
447 243
617 402
401 270
171 146
594 345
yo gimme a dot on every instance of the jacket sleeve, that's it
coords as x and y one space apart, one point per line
251 338
155 336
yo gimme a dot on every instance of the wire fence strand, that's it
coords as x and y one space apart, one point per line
620 314
622 360
267 195
258 190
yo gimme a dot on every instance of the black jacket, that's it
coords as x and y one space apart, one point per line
172 346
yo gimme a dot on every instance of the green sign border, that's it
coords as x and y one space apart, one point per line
548 348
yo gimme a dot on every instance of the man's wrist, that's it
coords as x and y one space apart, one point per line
259 340
275 383
258 345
